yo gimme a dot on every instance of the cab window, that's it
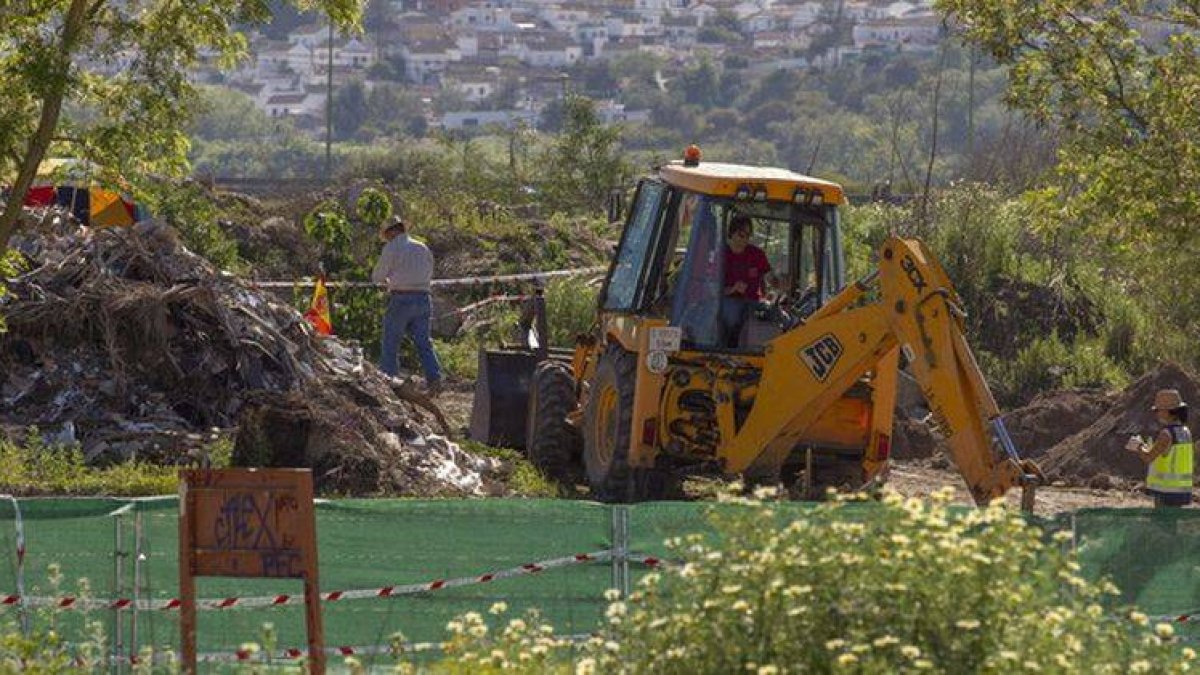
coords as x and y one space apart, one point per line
636 243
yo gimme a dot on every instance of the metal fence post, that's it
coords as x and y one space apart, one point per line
119 555
1074 535
138 558
625 585
620 549
19 525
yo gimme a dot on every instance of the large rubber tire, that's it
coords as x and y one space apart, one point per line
551 443
607 422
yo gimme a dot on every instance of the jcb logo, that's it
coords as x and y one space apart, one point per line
822 355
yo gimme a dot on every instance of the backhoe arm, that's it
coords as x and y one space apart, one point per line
811 366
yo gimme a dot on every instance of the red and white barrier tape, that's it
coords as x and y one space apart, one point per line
71 602
649 561
1186 617
436 283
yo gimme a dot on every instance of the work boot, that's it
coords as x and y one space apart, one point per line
432 389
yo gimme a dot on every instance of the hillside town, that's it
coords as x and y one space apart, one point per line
504 60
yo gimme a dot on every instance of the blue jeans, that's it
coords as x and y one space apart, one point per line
734 311
408 313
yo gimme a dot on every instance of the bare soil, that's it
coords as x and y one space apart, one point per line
920 478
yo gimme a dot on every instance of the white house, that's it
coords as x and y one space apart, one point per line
759 22
424 61
919 31
702 11
651 7
592 36
548 50
803 15
681 30
291 104
485 17
611 112
354 53
467 43
563 19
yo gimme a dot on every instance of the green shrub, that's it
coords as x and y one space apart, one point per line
570 309
1048 364
373 207
904 585
37 468
192 212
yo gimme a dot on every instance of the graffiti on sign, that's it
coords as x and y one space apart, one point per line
250 532
248 523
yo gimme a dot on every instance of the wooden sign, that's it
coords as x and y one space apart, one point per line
248 523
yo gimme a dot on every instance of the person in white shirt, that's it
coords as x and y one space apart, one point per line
406 267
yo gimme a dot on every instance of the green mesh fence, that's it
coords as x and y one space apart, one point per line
129 549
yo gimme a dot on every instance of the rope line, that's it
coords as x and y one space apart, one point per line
436 283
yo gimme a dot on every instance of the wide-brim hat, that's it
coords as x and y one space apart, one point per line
1168 399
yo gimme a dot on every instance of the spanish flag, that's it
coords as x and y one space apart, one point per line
318 310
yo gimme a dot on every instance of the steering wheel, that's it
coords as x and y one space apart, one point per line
788 312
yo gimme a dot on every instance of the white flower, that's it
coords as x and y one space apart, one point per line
1164 630
498 608
967 624
585 667
886 640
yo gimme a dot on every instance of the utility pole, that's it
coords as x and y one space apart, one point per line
329 108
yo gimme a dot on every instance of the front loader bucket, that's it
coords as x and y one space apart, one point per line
502 397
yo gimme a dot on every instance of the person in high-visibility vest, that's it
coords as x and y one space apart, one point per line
1169 474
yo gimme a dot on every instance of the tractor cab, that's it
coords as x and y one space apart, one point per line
671 260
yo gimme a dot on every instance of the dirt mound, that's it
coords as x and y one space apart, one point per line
1050 418
125 342
912 439
1097 452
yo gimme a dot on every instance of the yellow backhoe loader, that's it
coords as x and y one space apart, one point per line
804 392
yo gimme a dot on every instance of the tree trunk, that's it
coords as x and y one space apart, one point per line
933 140
47 123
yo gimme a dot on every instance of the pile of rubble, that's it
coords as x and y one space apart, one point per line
127 343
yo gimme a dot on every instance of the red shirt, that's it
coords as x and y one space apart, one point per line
750 266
